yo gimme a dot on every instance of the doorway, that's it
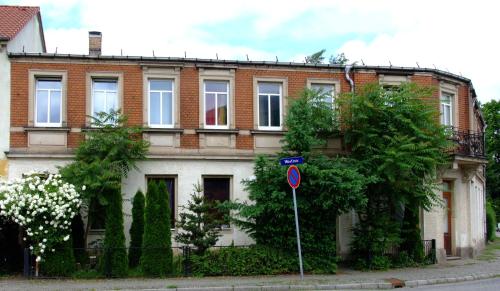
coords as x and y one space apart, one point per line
447 220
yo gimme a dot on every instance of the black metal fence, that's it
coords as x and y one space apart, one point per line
94 259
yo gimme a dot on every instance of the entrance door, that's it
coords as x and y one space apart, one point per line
447 222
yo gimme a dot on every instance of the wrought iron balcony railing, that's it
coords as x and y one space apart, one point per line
468 143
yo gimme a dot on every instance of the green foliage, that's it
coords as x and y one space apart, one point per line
136 229
251 261
396 139
109 151
491 112
329 187
199 224
61 262
339 59
491 221
156 259
115 261
411 241
316 58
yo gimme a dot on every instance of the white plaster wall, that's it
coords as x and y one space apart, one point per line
188 173
29 37
17 167
4 102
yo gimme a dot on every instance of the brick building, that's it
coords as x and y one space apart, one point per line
207 119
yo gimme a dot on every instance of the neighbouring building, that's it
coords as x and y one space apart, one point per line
207 119
20 31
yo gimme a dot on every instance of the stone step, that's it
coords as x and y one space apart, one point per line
452 258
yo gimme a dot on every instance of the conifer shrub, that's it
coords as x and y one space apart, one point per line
156 259
136 230
115 260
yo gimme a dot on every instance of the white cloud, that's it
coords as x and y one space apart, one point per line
459 36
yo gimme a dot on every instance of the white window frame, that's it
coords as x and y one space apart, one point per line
161 125
116 81
443 105
48 123
332 82
269 127
228 105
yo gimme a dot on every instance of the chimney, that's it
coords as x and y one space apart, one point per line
95 40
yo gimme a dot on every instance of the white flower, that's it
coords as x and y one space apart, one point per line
38 259
84 188
66 238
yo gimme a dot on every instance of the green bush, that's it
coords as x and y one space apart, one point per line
491 221
235 261
115 261
136 230
156 259
60 263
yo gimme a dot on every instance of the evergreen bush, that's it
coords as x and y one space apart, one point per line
156 259
61 262
238 261
136 230
115 261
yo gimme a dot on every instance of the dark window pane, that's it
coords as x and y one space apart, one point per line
170 182
217 189
275 110
263 111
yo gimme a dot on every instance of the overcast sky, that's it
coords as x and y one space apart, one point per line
457 36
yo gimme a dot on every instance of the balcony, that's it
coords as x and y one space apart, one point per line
468 143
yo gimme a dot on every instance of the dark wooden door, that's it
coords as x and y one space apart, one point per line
447 222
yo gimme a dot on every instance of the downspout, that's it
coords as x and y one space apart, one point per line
348 78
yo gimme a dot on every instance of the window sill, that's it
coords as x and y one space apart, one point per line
167 130
214 130
270 131
28 129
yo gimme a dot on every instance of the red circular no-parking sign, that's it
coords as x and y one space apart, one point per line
293 176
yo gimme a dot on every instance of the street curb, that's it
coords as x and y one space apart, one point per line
349 286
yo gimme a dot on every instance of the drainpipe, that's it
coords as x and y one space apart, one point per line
348 78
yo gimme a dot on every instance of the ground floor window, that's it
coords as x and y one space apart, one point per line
170 182
218 189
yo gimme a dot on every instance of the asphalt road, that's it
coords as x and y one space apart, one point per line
483 285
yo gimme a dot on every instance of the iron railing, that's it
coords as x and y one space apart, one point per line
467 143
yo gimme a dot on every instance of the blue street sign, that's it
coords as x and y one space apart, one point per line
291 161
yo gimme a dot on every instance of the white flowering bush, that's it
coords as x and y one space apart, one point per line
44 206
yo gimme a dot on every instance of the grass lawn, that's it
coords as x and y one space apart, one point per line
492 251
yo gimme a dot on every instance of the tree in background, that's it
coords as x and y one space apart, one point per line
330 186
199 226
136 229
491 113
396 139
316 58
156 259
109 151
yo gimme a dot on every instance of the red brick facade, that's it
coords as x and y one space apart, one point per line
132 72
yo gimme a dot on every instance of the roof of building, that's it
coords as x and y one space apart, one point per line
14 18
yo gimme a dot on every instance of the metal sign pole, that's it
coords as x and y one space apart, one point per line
298 234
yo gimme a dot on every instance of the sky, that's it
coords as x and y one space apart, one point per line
461 37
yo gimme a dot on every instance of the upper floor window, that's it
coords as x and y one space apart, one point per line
446 109
216 100
48 102
161 103
327 92
104 95
269 104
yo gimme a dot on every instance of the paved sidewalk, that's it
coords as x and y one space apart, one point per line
452 271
